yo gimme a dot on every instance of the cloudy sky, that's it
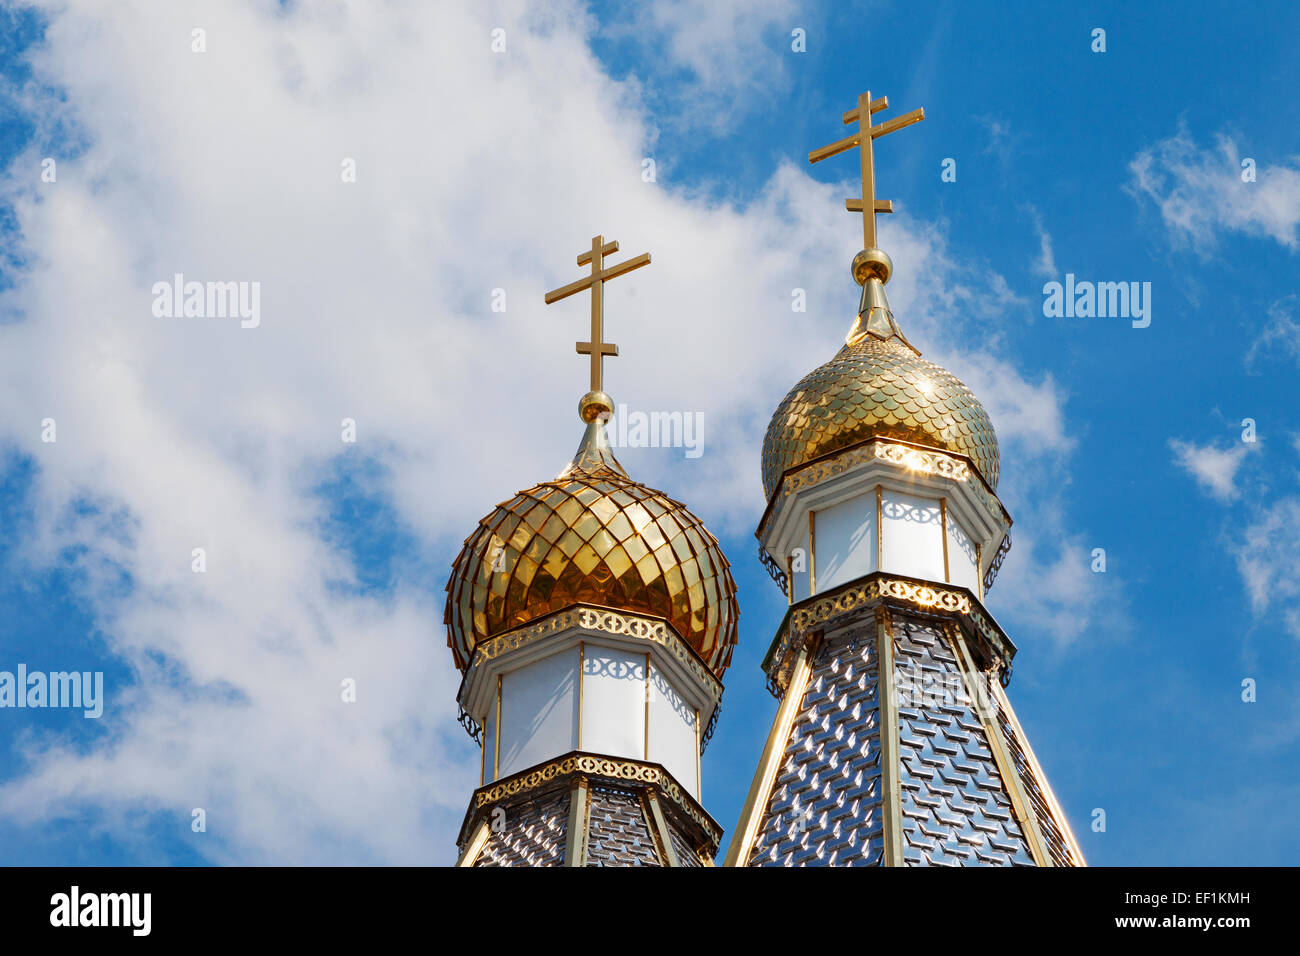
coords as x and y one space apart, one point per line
404 181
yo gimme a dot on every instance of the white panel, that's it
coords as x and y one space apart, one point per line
798 563
539 711
845 541
613 702
913 536
672 731
962 567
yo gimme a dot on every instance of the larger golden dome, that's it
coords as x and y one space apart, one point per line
877 385
592 536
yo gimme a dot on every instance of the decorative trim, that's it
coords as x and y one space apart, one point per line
710 727
609 621
593 765
824 609
773 569
891 799
995 565
472 726
930 461
751 815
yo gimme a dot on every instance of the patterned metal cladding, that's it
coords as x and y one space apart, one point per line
619 833
687 855
532 835
825 805
877 388
592 536
955 807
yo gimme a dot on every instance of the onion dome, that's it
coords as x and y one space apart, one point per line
592 536
877 386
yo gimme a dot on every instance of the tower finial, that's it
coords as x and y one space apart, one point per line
596 403
868 205
871 267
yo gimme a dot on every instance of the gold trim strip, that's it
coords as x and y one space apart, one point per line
891 800
582 679
1006 766
660 825
496 736
699 782
812 554
943 524
575 838
475 846
751 815
880 527
1062 822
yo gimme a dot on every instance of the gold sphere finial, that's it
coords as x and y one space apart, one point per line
595 406
872 264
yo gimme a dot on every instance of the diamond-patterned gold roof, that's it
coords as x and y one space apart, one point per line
877 387
592 536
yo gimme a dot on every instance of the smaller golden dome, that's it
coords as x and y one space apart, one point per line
592 536
877 385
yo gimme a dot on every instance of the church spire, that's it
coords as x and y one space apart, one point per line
894 743
593 618
872 267
596 403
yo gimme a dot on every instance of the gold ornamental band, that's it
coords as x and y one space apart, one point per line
612 768
817 612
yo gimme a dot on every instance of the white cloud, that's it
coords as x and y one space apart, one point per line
1268 558
1215 469
1281 330
1200 193
1045 264
475 171
726 57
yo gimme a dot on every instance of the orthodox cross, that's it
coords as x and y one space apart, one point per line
597 348
866 135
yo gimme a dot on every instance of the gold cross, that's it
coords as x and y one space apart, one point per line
597 348
868 205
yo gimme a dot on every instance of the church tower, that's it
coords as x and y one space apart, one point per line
894 743
592 618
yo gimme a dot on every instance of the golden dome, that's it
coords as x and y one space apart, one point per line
877 385
592 536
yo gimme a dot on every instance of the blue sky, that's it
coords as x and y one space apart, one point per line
481 170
